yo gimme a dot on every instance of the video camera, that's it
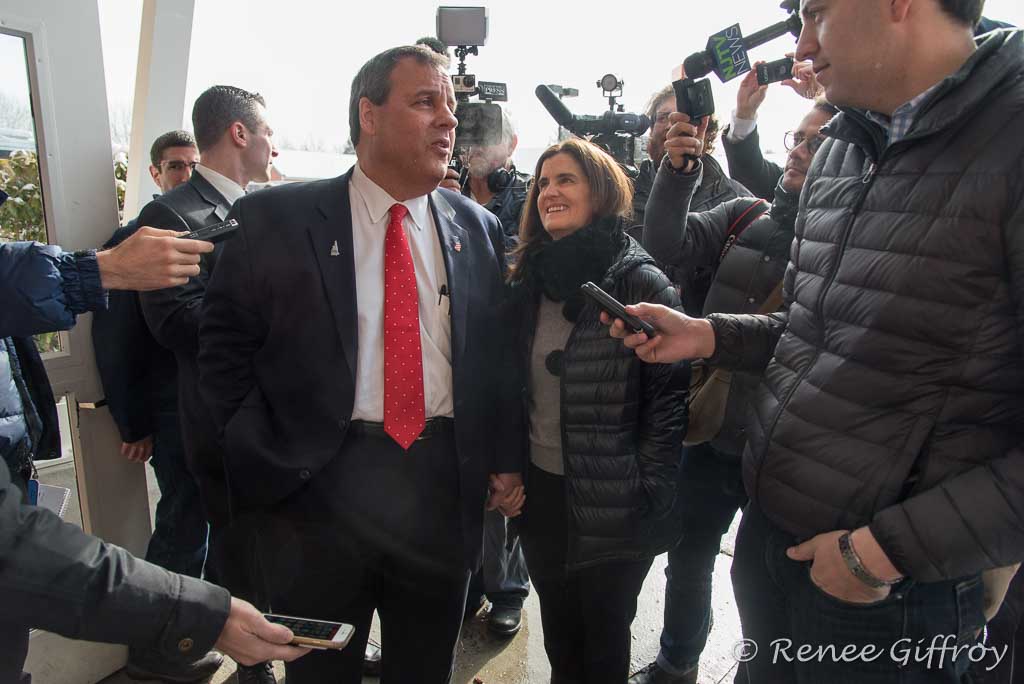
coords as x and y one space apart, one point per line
615 130
465 29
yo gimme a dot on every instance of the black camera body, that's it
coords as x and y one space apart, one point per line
694 98
773 72
615 130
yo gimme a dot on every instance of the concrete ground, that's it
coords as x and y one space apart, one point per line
484 659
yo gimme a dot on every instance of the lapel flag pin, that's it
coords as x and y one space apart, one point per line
458 245
334 249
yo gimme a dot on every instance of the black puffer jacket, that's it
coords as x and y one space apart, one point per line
742 280
623 421
714 187
896 394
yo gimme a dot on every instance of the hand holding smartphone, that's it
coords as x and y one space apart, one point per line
215 233
317 634
615 309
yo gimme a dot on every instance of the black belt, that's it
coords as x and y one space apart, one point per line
435 427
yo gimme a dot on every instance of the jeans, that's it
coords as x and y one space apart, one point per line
179 536
712 491
503 577
907 638
1005 634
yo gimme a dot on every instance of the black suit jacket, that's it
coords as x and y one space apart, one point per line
140 376
279 342
173 317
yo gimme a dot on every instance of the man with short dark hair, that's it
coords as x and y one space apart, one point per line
348 354
885 462
236 145
173 156
140 382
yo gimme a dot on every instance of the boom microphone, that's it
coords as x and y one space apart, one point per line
556 108
726 51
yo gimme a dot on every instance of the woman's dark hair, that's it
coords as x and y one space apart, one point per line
611 193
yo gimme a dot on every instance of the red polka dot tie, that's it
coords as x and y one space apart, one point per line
404 414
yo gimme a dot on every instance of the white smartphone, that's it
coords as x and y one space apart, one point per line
317 634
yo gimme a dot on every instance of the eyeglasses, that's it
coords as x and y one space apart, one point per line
178 166
794 139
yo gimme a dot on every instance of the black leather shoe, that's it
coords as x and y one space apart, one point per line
652 674
504 620
177 673
371 660
263 673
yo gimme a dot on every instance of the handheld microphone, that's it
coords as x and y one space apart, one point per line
556 108
726 51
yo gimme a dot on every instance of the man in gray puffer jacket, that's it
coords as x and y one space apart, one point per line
885 464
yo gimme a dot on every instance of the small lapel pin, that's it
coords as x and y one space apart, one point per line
458 245
334 249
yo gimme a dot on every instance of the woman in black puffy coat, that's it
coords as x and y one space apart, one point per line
602 430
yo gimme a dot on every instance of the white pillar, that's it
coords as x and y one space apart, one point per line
160 80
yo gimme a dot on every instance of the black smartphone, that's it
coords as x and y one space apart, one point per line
317 634
614 308
773 72
215 233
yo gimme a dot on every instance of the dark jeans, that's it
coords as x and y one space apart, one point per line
1005 634
379 528
586 612
712 492
179 535
781 610
503 577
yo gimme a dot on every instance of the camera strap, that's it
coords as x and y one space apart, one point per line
741 223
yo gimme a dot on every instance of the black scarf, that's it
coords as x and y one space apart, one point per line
559 267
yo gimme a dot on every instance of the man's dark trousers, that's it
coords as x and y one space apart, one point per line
503 578
180 530
341 549
779 605
712 491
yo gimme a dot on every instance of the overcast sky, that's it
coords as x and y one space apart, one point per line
302 54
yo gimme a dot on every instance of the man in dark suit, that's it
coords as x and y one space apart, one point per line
236 146
349 352
140 381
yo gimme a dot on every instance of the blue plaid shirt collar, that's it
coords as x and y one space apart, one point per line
898 125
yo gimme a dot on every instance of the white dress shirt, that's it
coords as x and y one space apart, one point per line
229 189
370 216
741 128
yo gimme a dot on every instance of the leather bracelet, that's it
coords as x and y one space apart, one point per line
856 567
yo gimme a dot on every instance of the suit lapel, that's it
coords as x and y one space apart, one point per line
453 241
331 237
210 196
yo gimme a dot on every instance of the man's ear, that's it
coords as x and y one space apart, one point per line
367 117
899 10
513 144
154 173
239 134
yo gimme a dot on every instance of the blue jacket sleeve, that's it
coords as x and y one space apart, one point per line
44 288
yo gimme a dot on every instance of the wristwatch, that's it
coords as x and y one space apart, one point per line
854 564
